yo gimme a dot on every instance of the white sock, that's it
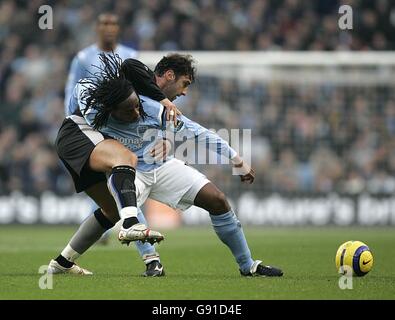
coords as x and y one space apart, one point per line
69 253
128 212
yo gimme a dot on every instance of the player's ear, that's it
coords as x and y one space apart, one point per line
170 75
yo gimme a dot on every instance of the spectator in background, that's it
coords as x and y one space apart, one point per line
320 126
87 60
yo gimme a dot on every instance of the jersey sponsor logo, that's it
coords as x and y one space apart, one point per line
134 143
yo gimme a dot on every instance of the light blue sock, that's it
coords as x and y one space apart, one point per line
146 250
228 229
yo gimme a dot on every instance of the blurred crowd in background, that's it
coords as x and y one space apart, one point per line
311 139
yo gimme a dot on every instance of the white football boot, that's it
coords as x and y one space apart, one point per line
139 232
55 268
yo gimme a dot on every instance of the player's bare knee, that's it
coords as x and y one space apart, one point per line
125 158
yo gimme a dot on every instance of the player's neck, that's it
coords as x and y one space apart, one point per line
107 47
160 82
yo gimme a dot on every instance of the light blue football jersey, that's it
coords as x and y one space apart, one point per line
83 64
141 135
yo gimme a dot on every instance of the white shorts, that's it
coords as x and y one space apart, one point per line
173 183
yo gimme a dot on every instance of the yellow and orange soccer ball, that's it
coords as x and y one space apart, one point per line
354 257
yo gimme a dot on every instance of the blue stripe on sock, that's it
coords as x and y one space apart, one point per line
114 193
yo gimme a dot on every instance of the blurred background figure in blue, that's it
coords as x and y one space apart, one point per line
86 63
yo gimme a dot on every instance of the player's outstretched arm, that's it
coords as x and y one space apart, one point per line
194 130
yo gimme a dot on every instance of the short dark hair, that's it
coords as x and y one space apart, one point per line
182 65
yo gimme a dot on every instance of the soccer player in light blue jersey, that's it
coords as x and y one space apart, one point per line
83 64
129 121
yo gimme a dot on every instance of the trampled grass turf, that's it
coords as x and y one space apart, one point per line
198 265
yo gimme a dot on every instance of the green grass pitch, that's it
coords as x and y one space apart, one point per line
198 265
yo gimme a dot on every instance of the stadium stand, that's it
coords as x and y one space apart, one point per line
316 140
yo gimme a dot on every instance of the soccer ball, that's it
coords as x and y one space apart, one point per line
354 257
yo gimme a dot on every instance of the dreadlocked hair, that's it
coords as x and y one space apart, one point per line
105 89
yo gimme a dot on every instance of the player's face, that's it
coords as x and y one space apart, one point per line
128 110
176 87
108 28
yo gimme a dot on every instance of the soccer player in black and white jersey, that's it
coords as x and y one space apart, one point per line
85 64
89 158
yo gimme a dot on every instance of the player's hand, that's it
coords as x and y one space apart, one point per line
161 150
246 173
172 111
249 177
